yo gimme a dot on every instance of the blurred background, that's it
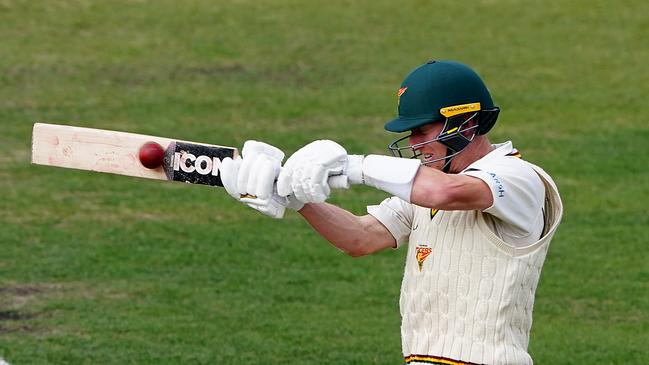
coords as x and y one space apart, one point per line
102 269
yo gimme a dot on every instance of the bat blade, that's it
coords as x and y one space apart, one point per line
117 153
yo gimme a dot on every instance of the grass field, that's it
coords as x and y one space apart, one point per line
101 269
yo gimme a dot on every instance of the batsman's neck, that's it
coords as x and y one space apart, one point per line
477 149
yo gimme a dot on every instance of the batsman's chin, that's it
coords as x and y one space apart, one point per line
427 158
431 160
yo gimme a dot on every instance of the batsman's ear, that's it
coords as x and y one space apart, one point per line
487 119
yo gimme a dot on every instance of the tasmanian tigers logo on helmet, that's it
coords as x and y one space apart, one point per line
401 91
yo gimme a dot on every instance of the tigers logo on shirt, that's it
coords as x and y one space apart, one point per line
422 253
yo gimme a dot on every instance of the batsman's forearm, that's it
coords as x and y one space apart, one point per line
357 236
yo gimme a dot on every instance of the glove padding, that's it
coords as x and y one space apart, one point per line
251 179
305 174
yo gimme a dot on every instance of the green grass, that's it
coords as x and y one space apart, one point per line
99 269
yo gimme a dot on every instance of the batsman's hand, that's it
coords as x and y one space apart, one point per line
307 173
251 179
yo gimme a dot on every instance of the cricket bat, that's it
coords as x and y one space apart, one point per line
119 153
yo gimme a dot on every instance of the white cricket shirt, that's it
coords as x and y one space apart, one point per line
470 276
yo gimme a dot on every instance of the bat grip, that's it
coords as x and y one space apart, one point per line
338 182
335 182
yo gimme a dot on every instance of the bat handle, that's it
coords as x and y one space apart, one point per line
335 182
338 182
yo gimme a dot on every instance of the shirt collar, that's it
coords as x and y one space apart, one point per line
500 150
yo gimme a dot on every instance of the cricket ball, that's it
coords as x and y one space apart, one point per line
151 155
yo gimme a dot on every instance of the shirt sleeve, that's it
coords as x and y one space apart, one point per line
396 215
518 192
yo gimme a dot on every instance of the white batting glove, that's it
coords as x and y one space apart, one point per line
313 169
251 179
259 169
306 173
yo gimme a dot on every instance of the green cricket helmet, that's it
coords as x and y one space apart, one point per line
447 92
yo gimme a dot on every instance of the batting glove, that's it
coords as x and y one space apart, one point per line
251 179
307 173
314 169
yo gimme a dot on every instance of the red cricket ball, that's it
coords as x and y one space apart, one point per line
151 155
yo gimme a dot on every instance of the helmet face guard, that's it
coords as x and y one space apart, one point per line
457 133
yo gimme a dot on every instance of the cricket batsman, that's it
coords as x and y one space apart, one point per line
476 218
